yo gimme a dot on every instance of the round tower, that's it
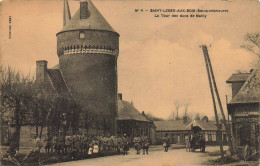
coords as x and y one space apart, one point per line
87 48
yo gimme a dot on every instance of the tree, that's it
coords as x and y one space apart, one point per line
252 43
198 116
186 106
172 116
152 117
177 105
16 96
43 101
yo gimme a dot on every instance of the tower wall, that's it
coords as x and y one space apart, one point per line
89 67
93 39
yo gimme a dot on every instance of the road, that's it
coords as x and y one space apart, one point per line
156 157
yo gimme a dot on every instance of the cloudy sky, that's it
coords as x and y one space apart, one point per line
159 60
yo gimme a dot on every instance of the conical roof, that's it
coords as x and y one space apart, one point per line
66 13
95 21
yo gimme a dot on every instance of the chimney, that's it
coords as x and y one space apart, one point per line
84 12
120 96
41 69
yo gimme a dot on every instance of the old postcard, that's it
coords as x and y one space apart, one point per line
129 82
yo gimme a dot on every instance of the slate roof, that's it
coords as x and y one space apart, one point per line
94 22
178 125
56 66
126 111
210 125
250 91
170 125
58 82
238 77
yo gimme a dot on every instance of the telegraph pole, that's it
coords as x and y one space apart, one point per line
205 52
219 101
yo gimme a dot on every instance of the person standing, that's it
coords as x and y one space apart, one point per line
95 149
125 144
146 144
137 144
48 143
166 144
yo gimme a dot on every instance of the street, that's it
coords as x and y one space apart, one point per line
156 157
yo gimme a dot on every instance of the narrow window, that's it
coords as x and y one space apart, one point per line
82 35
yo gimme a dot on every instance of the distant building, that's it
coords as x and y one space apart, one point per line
177 131
132 122
244 108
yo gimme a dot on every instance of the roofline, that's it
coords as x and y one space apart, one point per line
136 120
254 102
241 81
89 30
184 130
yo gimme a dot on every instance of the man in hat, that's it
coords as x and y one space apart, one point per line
125 144
166 144
137 144
145 144
48 143
60 142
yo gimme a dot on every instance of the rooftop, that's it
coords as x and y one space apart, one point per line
249 92
178 125
94 21
238 77
170 125
58 82
126 111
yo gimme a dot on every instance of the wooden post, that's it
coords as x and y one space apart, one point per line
204 49
217 94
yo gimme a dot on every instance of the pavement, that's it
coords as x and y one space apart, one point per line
156 157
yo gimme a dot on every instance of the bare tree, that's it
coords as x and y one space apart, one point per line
172 116
198 116
152 117
16 96
252 43
177 105
186 106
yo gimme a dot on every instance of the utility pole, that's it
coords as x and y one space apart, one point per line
219 101
205 52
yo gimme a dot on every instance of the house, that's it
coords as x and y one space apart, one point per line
132 122
177 131
244 109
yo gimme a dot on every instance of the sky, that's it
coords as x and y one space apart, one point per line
159 61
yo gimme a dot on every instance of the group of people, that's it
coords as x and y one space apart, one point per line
141 143
83 143
72 146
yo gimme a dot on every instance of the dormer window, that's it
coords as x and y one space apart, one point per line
82 35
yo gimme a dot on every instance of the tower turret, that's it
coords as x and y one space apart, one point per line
87 48
66 13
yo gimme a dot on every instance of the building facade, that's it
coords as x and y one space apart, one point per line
177 131
244 109
133 123
87 47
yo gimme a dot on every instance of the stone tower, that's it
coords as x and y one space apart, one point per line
87 48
